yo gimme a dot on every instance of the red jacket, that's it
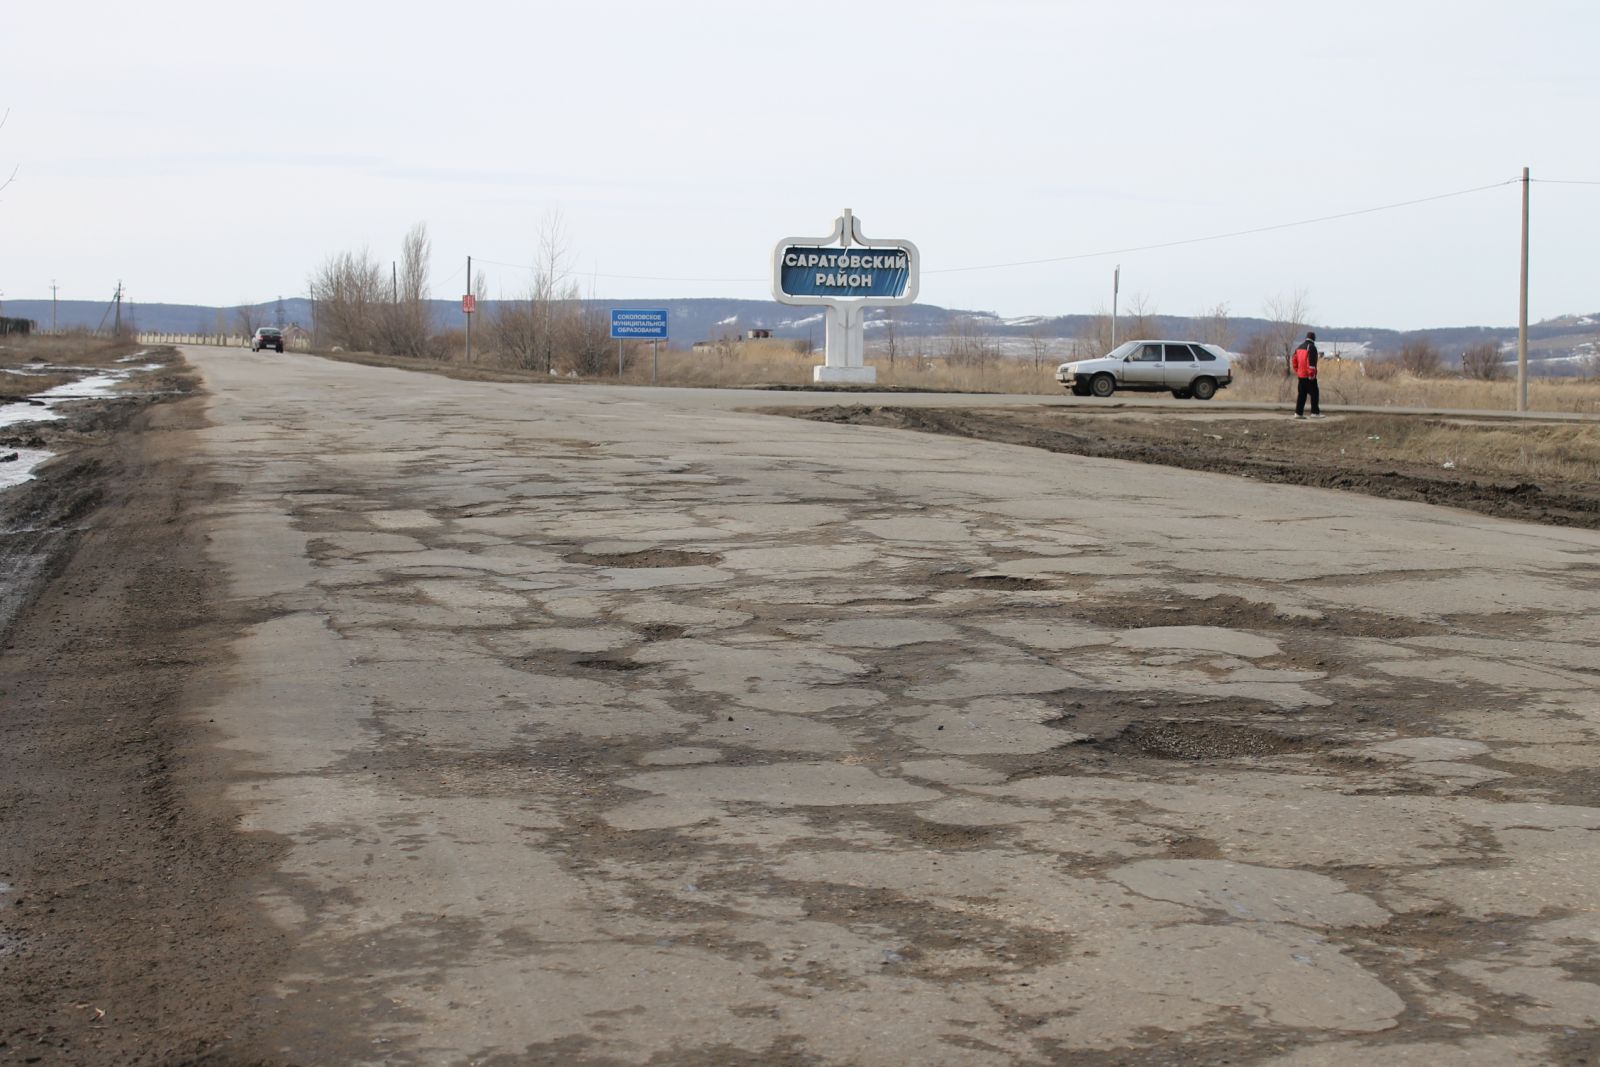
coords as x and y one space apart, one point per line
1304 365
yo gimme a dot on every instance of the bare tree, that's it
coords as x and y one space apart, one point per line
549 267
1095 340
1216 326
585 339
890 335
350 294
1287 315
247 319
408 323
1483 362
1143 318
1420 358
1039 346
1260 355
967 342
512 330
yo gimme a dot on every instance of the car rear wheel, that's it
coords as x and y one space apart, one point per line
1203 388
1102 385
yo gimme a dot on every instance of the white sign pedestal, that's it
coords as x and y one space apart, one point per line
845 356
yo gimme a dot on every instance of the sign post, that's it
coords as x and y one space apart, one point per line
846 274
638 324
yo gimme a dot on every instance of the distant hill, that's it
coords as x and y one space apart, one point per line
1557 346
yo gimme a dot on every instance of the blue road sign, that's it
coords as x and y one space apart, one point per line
639 324
809 271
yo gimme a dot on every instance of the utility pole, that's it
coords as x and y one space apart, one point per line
469 314
117 328
1116 284
52 305
394 282
1522 307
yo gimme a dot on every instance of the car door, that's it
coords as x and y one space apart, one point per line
1180 366
1143 368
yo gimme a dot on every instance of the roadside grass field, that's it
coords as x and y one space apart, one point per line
67 349
1354 383
1346 382
1563 452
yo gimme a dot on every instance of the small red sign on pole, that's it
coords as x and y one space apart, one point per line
469 304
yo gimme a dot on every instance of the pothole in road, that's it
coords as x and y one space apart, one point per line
1197 739
660 631
604 664
1004 581
954 578
652 557
1232 612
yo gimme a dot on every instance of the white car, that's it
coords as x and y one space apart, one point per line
1183 368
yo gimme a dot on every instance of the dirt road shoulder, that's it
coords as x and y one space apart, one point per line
1537 473
125 934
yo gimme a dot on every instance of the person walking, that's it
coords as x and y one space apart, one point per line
1305 371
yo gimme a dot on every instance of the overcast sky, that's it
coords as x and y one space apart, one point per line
216 153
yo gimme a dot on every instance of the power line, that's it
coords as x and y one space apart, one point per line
1561 181
1077 255
624 277
1234 233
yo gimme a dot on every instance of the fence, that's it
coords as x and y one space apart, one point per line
300 344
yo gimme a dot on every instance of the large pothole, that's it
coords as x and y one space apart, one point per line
650 557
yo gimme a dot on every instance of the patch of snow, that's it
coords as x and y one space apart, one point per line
14 472
42 407
729 321
16 414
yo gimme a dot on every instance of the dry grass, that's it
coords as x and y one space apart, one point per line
1343 383
76 350
778 363
755 363
1348 383
1563 452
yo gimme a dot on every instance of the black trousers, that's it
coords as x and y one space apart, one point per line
1308 388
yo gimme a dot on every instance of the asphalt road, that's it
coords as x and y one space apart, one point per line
617 726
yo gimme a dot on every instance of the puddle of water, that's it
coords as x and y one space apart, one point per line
85 388
15 472
15 414
93 386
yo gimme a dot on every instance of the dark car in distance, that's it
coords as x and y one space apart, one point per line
267 337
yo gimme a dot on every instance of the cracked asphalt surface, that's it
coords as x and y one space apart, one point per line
622 726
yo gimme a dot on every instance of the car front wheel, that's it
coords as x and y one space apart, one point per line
1102 385
1080 389
1203 388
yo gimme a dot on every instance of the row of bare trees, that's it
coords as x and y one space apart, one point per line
360 307
549 326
